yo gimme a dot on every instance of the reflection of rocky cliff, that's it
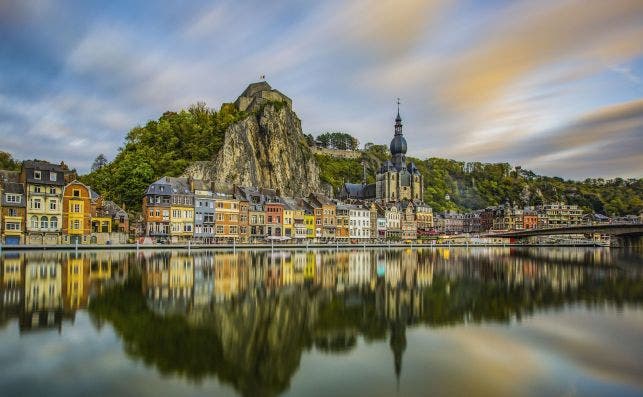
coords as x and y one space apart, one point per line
263 339
267 148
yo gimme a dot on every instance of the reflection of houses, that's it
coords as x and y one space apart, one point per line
359 268
226 276
77 282
43 295
12 282
203 280
168 282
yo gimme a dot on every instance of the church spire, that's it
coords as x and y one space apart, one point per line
398 144
398 120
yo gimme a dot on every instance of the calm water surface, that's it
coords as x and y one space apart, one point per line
483 321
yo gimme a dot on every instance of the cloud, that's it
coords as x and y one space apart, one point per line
608 139
528 38
474 82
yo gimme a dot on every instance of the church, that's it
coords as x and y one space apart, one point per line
395 180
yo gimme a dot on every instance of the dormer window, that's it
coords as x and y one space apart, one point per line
37 175
53 176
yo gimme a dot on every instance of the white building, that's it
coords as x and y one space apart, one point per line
360 223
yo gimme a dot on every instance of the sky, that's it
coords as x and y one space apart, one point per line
553 86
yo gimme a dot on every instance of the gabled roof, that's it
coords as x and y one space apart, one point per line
320 199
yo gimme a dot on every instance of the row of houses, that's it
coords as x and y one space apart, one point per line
44 204
509 217
182 209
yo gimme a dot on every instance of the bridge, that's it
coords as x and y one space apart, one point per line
625 230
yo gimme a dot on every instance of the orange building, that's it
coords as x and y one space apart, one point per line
530 219
77 208
226 220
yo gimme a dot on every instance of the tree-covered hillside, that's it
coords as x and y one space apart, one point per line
162 147
457 185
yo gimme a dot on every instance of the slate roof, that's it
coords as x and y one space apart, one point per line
15 188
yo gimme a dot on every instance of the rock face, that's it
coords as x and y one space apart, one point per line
266 149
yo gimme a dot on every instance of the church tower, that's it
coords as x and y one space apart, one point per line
398 144
397 180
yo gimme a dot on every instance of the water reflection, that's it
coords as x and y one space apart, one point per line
247 317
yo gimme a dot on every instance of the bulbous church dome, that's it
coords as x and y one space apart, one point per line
398 145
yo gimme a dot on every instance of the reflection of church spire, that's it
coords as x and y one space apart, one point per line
398 345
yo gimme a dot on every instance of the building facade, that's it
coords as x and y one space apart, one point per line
77 213
44 183
204 214
156 209
12 213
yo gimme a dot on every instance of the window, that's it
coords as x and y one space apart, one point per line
219 229
36 189
36 175
12 198
54 222
35 204
75 224
44 223
76 193
76 208
34 222
53 176
13 212
52 190
13 226
53 204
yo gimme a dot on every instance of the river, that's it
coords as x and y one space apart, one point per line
378 322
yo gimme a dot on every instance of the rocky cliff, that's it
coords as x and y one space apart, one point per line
265 149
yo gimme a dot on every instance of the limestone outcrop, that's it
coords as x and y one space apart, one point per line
265 149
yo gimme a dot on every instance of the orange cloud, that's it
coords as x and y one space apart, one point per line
528 39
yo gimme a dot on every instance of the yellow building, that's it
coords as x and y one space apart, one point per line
76 213
288 221
309 223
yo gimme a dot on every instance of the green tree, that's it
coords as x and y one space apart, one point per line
7 162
